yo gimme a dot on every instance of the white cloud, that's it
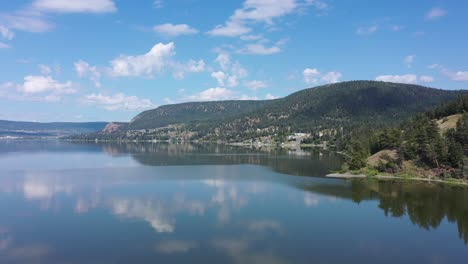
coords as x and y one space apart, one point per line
174 30
219 76
367 30
147 64
118 101
230 72
331 77
270 97
456 76
40 84
231 29
26 20
44 69
196 66
6 33
213 94
435 13
224 60
259 49
83 69
75 6
314 76
264 10
4 46
409 60
426 79
191 66
310 75
254 11
255 84
408 78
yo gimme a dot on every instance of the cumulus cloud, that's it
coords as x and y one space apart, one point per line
219 76
230 72
38 88
310 75
255 84
172 30
270 97
259 49
331 77
83 69
196 66
148 64
76 6
224 60
435 13
191 66
157 61
407 78
118 101
40 84
314 76
367 30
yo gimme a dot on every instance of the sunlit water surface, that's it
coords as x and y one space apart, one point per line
158 203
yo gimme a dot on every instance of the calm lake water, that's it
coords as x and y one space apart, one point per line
157 203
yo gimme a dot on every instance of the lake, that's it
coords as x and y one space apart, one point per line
185 203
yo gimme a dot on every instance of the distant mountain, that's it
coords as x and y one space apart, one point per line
340 105
193 112
56 129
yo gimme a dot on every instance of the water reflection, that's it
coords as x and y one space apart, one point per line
205 211
427 205
303 162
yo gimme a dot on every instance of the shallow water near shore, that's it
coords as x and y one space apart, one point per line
64 202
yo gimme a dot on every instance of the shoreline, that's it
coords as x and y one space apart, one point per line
350 176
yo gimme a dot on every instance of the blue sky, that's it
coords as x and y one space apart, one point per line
89 60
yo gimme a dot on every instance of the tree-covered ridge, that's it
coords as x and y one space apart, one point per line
419 142
193 112
341 104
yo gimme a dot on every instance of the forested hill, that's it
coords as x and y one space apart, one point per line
193 112
36 129
341 105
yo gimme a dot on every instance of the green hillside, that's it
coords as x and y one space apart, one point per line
193 112
335 106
